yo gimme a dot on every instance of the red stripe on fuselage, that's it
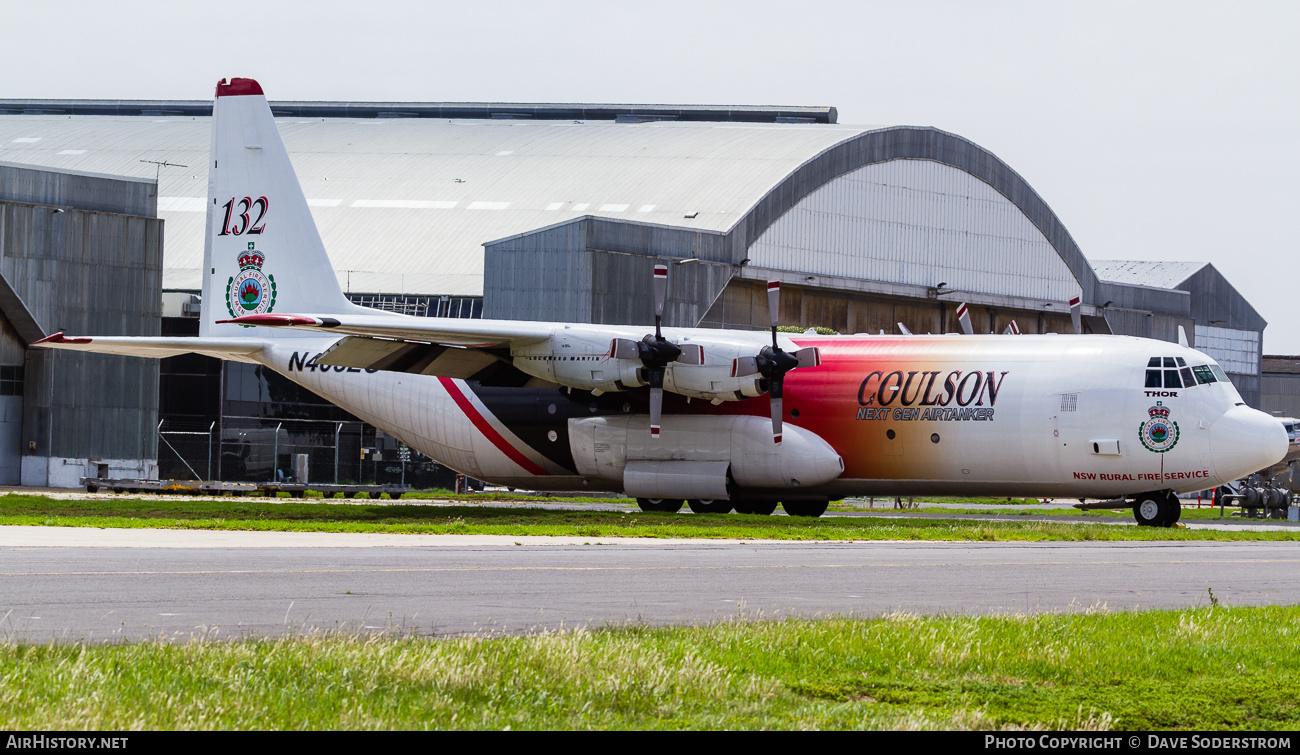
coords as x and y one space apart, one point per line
488 430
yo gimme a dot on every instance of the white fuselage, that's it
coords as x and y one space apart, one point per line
990 415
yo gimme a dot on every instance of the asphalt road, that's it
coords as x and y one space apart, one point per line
87 584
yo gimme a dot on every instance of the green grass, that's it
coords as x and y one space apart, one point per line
1210 668
287 515
1203 514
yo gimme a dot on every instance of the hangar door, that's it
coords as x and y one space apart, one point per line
11 424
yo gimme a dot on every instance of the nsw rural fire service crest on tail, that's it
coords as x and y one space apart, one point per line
1159 433
250 291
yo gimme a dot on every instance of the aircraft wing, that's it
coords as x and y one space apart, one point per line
443 331
237 349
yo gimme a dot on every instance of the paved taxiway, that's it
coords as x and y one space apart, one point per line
83 583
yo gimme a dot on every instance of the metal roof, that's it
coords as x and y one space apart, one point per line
1169 275
405 204
625 113
1282 363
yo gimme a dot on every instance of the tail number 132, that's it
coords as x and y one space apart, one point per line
238 209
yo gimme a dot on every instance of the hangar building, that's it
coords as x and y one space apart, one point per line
558 212
79 251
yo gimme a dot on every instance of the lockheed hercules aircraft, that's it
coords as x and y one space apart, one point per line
718 419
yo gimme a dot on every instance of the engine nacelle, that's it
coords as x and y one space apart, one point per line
700 452
713 379
579 360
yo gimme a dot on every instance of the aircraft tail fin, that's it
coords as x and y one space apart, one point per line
262 252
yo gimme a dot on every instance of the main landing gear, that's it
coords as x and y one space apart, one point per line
662 505
759 507
709 506
1159 509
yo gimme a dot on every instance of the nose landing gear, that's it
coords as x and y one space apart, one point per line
1158 509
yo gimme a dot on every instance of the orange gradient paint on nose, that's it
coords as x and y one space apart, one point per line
894 409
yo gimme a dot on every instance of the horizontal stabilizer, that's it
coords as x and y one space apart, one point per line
237 349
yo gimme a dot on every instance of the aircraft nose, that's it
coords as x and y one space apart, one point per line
1245 440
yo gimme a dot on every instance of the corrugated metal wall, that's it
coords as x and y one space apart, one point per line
91 272
85 191
1280 394
600 271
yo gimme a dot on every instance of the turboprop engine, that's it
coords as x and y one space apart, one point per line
708 457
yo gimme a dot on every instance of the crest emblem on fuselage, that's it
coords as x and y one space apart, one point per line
1159 433
250 291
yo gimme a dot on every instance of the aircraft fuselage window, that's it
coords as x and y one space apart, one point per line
1204 374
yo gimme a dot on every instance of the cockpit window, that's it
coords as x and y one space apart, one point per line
1218 373
1173 372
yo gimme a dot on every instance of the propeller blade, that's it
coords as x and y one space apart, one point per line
1012 329
691 354
903 328
774 301
1076 314
624 348
656 409
809 357
963 317
776 391
661 294
742 366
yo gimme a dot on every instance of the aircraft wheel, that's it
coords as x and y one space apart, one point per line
709 506
1156 510
805 508
661 505
761 508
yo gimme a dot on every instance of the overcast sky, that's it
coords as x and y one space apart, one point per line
1155 130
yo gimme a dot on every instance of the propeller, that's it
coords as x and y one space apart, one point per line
963 317
1012 329
656 352
772 362
1076 312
